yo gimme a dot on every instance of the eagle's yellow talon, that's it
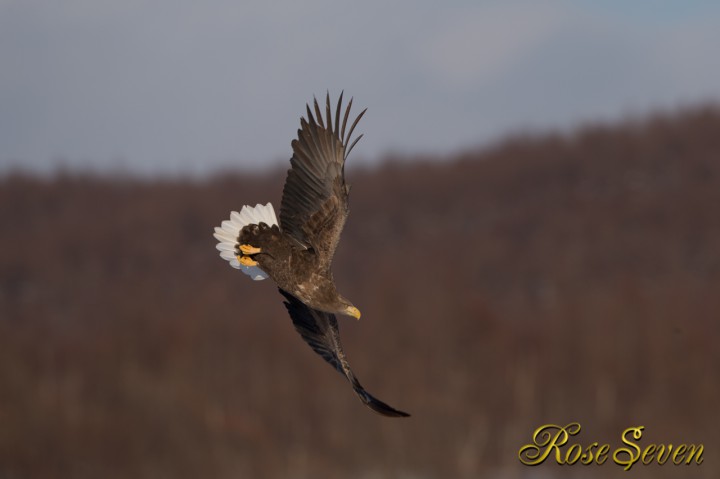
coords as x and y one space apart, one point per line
247 261
247 249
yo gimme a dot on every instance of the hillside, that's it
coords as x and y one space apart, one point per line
547 279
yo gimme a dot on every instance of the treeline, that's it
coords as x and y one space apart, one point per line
546 279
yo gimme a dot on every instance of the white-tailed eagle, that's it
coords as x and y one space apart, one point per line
297 252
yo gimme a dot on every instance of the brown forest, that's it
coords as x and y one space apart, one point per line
545 279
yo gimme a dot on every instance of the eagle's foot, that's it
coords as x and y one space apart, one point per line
247 261
248 250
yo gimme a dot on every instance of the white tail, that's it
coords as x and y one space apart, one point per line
228 235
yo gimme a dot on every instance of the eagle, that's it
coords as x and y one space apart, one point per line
297 251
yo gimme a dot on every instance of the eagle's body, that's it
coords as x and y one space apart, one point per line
297 252
293 268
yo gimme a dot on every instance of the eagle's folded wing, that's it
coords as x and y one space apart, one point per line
320 331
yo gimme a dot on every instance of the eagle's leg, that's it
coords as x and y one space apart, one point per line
255 239
245 251
248 249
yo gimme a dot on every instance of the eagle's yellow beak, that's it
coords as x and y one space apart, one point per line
353 311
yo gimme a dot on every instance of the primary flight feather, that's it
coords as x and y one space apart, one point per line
297 252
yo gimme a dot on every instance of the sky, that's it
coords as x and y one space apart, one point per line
191 88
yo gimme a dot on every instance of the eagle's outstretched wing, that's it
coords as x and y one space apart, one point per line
314 204
320 331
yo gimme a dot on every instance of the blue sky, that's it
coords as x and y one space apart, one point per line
185 87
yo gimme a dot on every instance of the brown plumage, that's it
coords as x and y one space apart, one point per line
297 253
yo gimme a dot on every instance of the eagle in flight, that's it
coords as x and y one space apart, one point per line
297 252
